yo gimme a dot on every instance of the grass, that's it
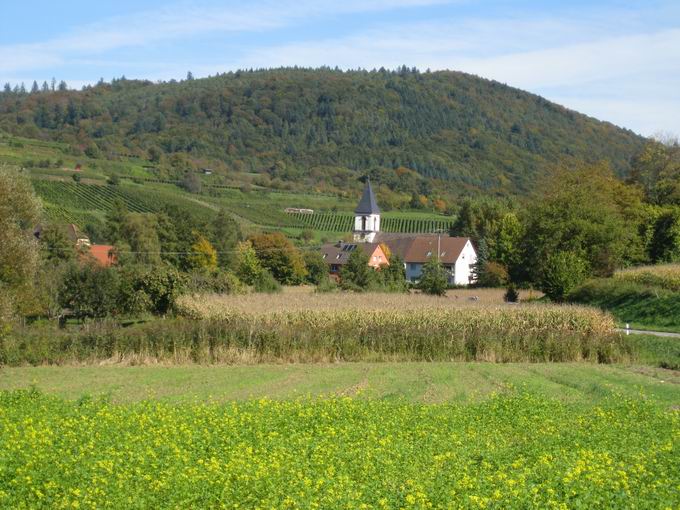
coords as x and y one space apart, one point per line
665 276
511 451
411 381
630 302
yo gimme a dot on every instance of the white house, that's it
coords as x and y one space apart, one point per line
457 254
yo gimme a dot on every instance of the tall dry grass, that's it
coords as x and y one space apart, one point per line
301 326
665 276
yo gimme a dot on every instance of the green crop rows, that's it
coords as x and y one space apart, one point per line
332 222
86 196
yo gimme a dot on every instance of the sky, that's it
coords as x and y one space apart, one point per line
614 60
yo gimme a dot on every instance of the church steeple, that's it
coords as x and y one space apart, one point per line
366 216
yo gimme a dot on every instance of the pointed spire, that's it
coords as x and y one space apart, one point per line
368 204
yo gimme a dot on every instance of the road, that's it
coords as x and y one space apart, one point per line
644 332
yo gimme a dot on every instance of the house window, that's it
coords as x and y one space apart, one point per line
413 266
334 268
363 223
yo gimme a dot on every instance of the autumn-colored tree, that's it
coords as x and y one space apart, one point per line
203 255
280 257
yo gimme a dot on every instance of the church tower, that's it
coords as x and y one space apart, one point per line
366 216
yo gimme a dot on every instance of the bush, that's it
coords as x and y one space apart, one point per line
562 272
434 280
327 284
219 282
511 295
90 291
492 274
265 282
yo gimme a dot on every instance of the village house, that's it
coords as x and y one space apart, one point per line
336 255
102 254
456 254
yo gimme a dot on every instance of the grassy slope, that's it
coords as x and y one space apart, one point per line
641 306
418 382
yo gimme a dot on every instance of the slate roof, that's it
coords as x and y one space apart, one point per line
368 204
339 253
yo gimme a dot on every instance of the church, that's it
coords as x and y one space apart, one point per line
457 254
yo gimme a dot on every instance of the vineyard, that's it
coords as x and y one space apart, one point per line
334 222
84 203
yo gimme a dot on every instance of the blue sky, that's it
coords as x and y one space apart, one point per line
615 60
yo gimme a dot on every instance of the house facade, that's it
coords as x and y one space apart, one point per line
457 254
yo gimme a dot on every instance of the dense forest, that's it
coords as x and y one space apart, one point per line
445 133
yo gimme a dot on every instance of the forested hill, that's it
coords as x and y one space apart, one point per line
319 128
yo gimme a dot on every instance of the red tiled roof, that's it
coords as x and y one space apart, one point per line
103 254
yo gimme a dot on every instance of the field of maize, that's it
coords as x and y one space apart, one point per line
665 276
512 451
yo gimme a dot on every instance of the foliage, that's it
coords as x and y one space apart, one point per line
435 130
278 255
392 276
55 244
203 255
562 272
326 285
19 214
656 167
90 291
265 282
356 274
219 282
317 268
248 265
434 279
511 295
492 274
588 213
665 242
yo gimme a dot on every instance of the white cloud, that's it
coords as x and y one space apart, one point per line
181 21
631 80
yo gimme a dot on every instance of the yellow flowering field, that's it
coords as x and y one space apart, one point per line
513 451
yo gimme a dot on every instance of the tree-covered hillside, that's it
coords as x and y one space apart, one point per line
417 133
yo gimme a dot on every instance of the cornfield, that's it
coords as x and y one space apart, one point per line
666 276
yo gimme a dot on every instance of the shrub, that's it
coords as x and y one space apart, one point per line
434 280
492 274
219 282
327 284
511 295
562 272
265 282
356 275
90 290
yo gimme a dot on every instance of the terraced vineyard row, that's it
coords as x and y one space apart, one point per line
333 222
87 196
